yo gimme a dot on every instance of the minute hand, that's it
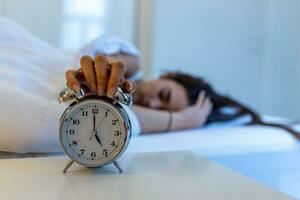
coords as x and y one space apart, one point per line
94 123
94 130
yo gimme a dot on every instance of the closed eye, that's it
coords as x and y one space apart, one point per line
165 95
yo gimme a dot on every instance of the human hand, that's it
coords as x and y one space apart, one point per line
100 75
195 115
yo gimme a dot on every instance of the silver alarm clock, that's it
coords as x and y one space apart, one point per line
94 131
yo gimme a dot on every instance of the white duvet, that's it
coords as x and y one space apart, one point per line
31 74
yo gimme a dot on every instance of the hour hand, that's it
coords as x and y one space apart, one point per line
98 139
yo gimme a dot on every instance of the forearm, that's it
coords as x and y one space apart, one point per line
131 63
158 120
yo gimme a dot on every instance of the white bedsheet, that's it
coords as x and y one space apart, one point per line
220 140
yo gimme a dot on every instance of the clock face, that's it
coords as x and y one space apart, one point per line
93 133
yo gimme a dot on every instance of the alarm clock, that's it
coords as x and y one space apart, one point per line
94 131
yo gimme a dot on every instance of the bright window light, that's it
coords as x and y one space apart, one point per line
82 22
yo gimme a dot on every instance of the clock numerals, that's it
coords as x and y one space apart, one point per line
82 151
114 122
85 113
95 110
106 114
117 133
71 132
93 154
76 121
105 153
113 143
74 143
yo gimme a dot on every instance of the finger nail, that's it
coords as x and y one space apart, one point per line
111 92
130 86
100 92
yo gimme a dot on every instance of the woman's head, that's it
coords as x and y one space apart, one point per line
173 91
162 93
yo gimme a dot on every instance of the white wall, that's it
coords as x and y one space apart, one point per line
122 19
282 60
145 33
44 17
248 49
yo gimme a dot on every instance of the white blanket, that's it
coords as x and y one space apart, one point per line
31 73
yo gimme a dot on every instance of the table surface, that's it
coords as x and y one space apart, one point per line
167 175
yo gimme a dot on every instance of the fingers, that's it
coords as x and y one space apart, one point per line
72 82
97 77
207 106
129 86
87 63
204 103
117 70
101 64
200 99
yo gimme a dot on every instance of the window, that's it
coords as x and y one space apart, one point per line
82 21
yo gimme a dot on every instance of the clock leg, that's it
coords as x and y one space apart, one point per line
68 166
118 167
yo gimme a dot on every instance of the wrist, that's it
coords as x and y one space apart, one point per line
178 121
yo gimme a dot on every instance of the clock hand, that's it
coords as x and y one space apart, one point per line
94 132
98 139
94 123
91 137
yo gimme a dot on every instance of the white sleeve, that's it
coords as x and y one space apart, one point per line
135 124
137 76
108 46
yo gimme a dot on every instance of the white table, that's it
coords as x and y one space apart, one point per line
155 176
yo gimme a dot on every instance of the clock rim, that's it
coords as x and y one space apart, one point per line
126 126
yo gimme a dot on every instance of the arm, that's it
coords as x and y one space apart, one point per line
131 63
157 120
148 117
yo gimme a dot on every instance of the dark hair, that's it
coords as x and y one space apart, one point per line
194 85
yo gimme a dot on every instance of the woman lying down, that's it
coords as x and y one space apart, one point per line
174 101
31 76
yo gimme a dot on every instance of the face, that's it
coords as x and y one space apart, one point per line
161 94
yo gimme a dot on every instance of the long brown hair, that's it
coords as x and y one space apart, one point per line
194 85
